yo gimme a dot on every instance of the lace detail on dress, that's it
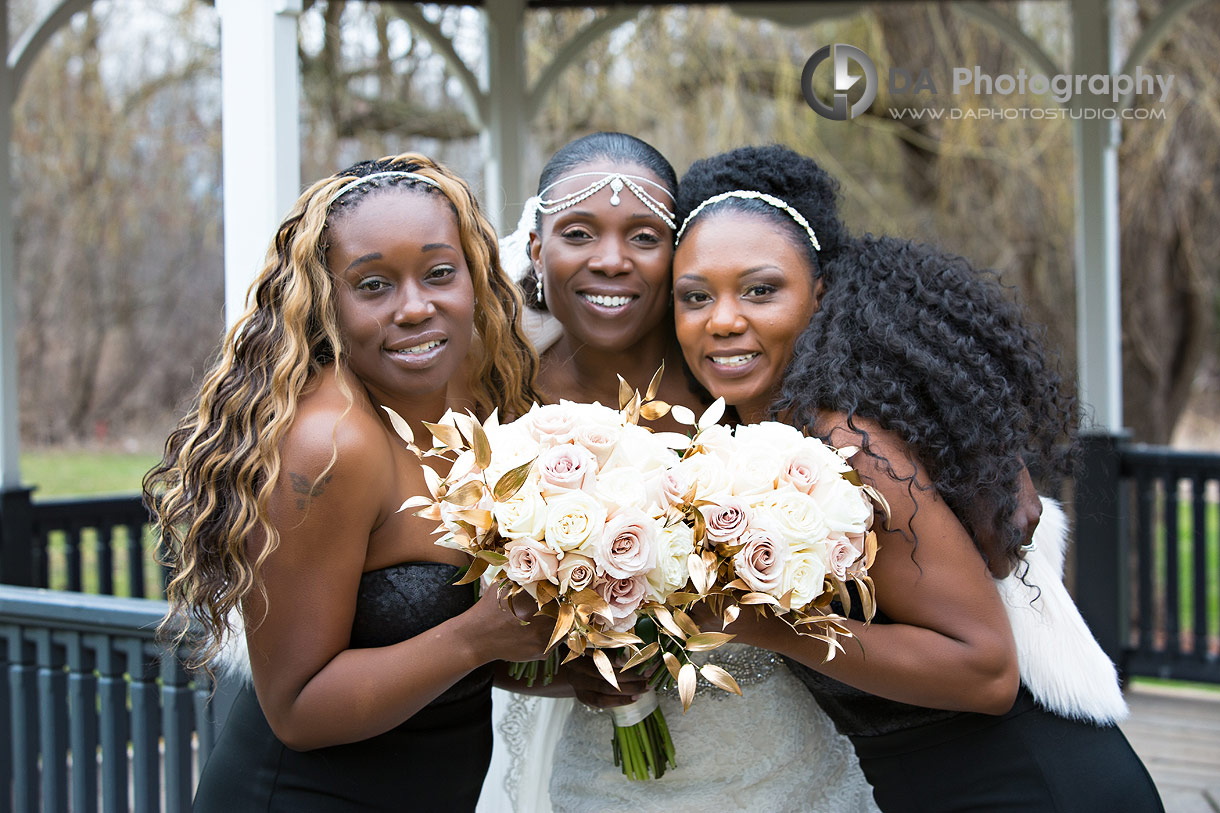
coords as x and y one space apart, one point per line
773 749
516 727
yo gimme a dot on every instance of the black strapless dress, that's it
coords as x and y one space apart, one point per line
434 761
922 760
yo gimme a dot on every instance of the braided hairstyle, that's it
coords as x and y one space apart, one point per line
617 148
209 494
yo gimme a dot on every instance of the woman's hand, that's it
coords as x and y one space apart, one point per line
594 690
509 630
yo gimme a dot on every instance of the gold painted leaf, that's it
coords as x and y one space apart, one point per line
476 570
730 614
625 393
654 386
654 409
431 511
666 620
562 625
446 434
545 592
737 584
478 517
493 420
671 664
468 494
465 425
511 482
686 685
852 476
687 623
418 501
641 656
400 426
698 576
492 557
622 638
759 598
433 481
718 677
573 651
482 447
602 662
706 641
870 549
683 598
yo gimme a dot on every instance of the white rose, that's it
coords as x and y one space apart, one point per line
551 424
805 576
622 488
755 473
709 473
627 546
845 507
718 439
674 544
798 517
600 440
573 521
770 438
642 451
512 445
522 516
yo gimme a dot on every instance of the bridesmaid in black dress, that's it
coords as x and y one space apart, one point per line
279 492
923 364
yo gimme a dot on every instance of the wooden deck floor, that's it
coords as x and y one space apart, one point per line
1176 732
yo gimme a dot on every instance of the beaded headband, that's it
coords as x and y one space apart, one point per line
616 181
389 173
747 194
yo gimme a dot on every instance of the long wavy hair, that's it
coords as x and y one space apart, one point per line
209 494
912 338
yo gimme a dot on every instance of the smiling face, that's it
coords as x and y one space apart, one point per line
605 268
404 294
743 292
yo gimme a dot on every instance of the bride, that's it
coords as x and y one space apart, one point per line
593 252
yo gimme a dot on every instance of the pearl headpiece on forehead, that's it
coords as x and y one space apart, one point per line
616 181
749 194
389 173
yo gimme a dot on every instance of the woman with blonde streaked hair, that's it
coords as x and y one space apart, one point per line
278 494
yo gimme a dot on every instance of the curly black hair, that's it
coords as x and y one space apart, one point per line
774 170
601 146
937 352
912 338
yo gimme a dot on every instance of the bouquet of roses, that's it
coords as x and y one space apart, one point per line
565 507
780 520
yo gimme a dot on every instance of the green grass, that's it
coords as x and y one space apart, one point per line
79 473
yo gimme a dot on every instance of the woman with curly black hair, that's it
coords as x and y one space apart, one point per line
928 369
278 498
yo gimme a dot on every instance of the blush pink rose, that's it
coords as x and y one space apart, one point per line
624 597
843 555
553 423
628 544
727 520
675 483
576 572
760 564
530 562
566 468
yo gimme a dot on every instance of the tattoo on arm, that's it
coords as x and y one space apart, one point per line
307 488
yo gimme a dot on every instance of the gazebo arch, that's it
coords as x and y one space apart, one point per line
261 153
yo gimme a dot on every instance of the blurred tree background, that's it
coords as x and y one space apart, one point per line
117 170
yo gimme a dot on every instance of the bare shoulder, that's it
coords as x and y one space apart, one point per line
336 433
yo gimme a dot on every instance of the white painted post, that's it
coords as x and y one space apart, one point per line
505 128
260 133
1098 276
10 436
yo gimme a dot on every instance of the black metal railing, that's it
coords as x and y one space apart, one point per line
97 715
95 545
1148 557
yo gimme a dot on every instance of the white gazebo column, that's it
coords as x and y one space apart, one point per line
260 133
505 126
10 448
1098 280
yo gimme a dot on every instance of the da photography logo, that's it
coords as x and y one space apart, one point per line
842 55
